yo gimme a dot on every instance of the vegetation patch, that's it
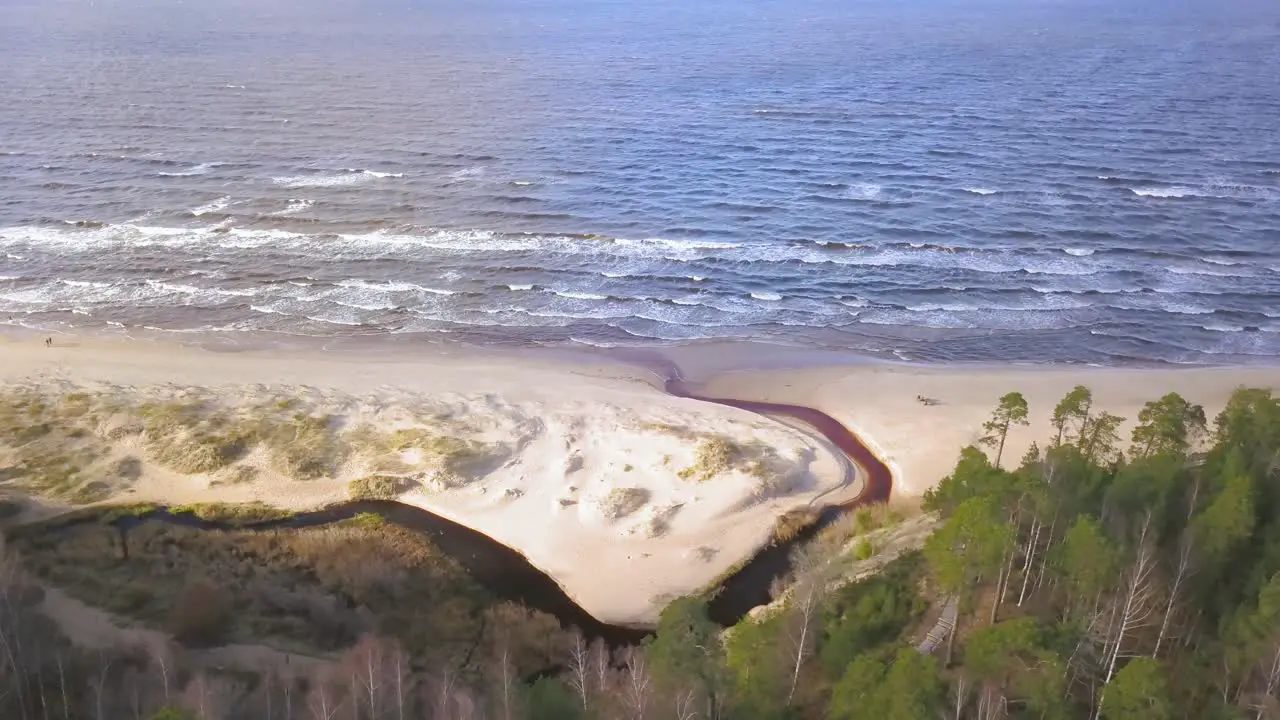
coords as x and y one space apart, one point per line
235 513
621 502
379 487
793 522
312 590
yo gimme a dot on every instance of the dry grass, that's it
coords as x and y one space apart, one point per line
621 502
233 513
714 456
192 436
310 590
792 523
302 446
379 487
863 521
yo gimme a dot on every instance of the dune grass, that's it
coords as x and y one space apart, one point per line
234 513
792 523
621 502
379 487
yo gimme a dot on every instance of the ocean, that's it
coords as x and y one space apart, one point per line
920 180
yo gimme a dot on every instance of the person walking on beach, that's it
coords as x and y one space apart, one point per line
48 342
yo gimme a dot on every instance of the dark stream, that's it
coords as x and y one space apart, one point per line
509 575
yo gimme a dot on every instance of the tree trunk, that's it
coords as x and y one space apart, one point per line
1029 565
1004 433
1184 564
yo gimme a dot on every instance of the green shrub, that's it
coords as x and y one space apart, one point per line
864 550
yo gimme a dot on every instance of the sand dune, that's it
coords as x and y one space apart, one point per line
626 496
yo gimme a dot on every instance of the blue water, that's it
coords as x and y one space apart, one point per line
930 180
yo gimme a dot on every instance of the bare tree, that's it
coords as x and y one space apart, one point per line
807 591
599 661
637 686
505 676
162 654
580 667
960 693
210 698
325 699
442 694
686 705
1182 572
1131 610
378 667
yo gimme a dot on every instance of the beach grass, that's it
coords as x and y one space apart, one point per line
793 522
233 513
623 501
379 487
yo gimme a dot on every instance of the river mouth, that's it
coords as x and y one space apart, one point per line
509 575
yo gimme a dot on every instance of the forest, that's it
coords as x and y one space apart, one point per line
1099 576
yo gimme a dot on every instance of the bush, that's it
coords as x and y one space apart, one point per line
792 523
864 550
201 615
713 456
379 487
621 502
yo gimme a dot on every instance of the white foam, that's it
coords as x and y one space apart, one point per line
1177 191
697 278
295 206
349 176
766 296
219 204
522 183
266 310
980 191
576 295
10 277
864 191
680 244
200 169
1078 252
1221 327
389 286
519 287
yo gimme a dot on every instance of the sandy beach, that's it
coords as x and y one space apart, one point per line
593 472
920 444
